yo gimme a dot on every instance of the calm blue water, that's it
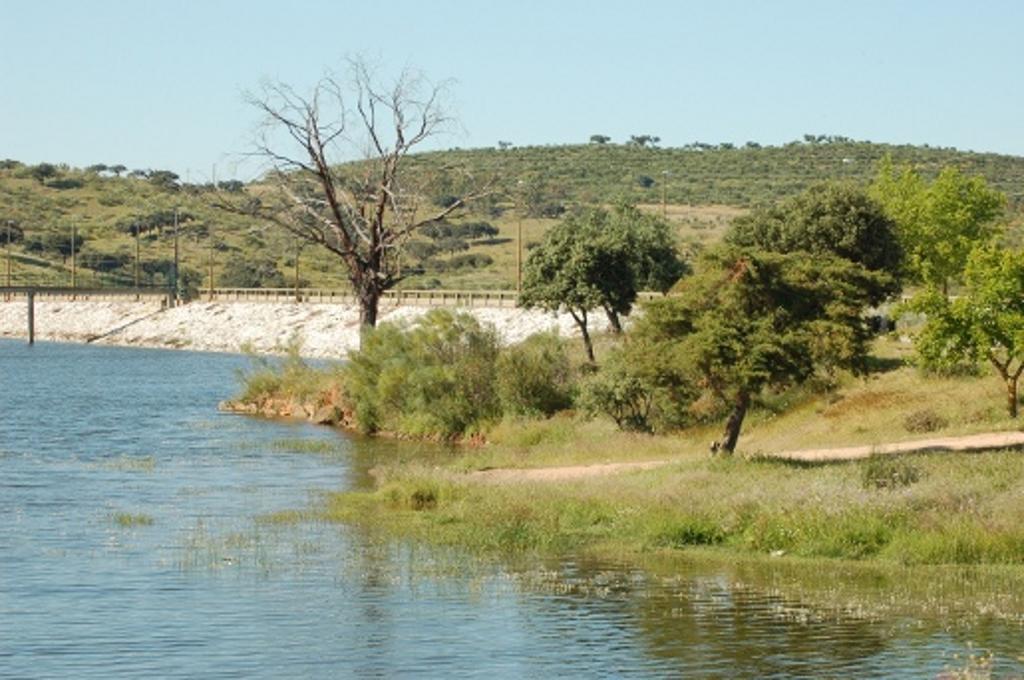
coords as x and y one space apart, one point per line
89 435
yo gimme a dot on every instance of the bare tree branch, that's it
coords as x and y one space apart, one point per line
364 210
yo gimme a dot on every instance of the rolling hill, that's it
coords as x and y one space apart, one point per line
700 188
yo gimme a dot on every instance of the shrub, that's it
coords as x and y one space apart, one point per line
288 377
66 183
614 392
643 387
535 377
434 378
925 420
889 472
256 272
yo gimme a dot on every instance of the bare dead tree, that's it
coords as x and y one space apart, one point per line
366 209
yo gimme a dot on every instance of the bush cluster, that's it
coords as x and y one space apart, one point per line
924 421
889 472
446 376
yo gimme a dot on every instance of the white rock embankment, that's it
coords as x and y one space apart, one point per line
325 330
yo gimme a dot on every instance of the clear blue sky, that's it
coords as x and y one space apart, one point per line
159 84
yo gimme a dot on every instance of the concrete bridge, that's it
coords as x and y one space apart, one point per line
31 293
221 319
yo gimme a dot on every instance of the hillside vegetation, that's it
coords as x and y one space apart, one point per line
701 188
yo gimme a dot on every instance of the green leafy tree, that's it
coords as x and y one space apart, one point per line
649 246
576 269
595 260
984 324
43 172
652 247
251 272
750 320
828 219
165 180
57 243
940 223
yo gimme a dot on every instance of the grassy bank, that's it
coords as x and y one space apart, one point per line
937 508
925 509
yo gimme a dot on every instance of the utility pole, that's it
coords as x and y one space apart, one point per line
136 229
519 252
174 279
74 259
298 249
520 206
209 235
664 193
210 263
8 297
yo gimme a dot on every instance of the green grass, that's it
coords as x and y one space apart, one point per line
128 520
319 446
965 509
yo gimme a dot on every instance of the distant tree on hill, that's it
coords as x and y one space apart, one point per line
600 139
165 180
43 172
117 169
251 272
452 238
56 243
103 261
10 231
644 141
504 146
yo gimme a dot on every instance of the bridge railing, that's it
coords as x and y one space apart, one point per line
423 298
68 293
415 298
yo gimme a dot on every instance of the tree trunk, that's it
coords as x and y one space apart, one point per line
735 422
613 319
1011 395
1010 379
369 301
581 321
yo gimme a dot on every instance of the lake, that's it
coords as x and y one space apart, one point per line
131 544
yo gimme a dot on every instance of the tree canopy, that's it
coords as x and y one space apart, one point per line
983 324
751 319
939 223
599 259
828 219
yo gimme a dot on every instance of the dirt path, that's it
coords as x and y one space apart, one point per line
974 442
